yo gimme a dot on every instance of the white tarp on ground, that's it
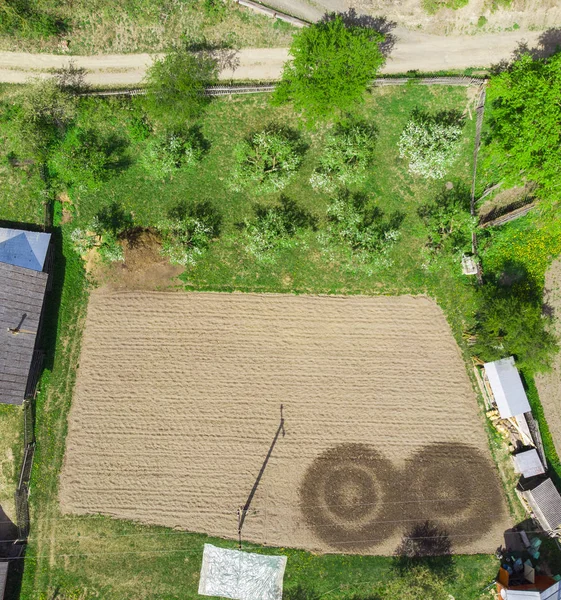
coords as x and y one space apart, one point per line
507 387
241 575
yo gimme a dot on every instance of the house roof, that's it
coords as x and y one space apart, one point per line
528 463
21 248
3 578
545 502
552 593
507 387
21 301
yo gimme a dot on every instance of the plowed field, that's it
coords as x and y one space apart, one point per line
337 423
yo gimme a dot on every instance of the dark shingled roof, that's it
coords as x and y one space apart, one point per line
3 578
21 293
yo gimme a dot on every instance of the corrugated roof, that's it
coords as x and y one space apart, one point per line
546 504
507 387
21 300
3 578
528 463
21 248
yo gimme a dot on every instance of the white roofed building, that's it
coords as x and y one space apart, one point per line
506 386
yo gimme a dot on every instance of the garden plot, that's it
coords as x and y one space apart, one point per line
326 423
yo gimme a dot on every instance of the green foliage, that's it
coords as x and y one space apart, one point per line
21 17
45 114
429 142
417 584
525 116
347 153
448 219
267 160
482 21
87 157
358 223
510 321
215 10
275 227
173 149
188 231
331 68
176 85
433 6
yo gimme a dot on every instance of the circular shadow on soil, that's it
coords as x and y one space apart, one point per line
455 486
344 496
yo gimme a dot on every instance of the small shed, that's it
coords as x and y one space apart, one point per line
3 578
241 575
506 387
545 502
23 284
528 463
538 587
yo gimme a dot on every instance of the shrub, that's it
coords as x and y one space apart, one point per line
275 227
348 152
87 157
188 230
173 149
21 17
430 142
448 219
357 223
432 6
267 160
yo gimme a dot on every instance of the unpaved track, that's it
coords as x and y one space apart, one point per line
549 384
413 51
178 402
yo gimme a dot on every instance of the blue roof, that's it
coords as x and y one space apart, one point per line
26 249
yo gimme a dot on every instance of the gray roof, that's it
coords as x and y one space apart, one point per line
507 387
546 504
528 463
21 302
3 578
22 248
552 593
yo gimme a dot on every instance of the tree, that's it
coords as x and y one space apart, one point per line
188 231
448 219
46 113
355 222
267 160
86 157
331 68
177 82
510 321
348 151
430 142
525 116
173 149
275 227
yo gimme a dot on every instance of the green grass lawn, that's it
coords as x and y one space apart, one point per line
97 557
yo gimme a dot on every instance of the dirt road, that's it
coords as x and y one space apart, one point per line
413 51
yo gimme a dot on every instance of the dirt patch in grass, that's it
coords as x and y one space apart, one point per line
144 267
332 423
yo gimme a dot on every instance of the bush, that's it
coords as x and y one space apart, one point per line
188 231
430 142
86 157
448 219
432 6
173 149
348 152
357 223
275 227
267 160
21 17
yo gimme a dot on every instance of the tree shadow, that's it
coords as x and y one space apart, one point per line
224 54
426 545
113 219
380 24
204 211
549 43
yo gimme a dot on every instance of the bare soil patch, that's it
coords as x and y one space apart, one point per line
144 267
549 384
177 421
